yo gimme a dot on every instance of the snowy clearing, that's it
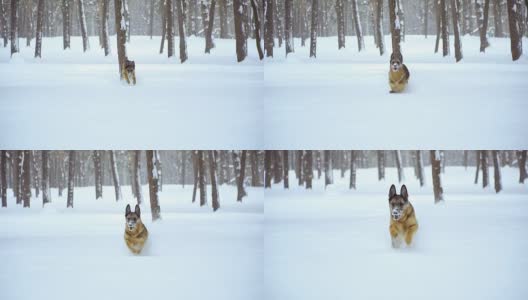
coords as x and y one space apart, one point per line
79 253
335 244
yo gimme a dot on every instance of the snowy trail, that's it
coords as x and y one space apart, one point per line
336 245
80 253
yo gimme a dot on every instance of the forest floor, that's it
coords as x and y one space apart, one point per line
79 253
335 244
336 101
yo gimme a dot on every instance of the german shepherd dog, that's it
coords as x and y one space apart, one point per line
136 233
403 224
398 73
129 71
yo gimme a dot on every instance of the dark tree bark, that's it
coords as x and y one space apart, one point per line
66 24
357 25
352 169
82 24
308 168
497 171
214 188
466 159
399 166
115 175
164 18
137 177
153 177
40 20
223 19
255 178
299 166
269 40
26 178
19 172
340 15
201 177
456 29
195 170
240 34
277 172
241 190
256 19
285 169
278 22
420 168
267 168
14 27
395 26
313 29
380 38
45 178
71 175
209 43
328 169
521 159
182 30
438 24
445 27
169 7
477 154
183 163
121 35
98 174
288 25
436 161
105 36
497 17
3 176
484 167
514 19
482 21
3 21
381 164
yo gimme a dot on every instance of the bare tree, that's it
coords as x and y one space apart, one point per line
436 161
497 171
285 169
380 38
153 177
256 20
395 26
214 188
255 179
45 178
484 167
267 168
455 11
121 34
115 176
269 41
381 164
497 17
40 20
71 175
313 32
3 176
209 43
420 168
288 25
308 168
240 34
514 19
137 177
14 27
82 23
399 166
98 174
357 25
169 7
201 177
353 169
521 161
444 27
105 36
328 169
482 21
3 20
340 15
66 24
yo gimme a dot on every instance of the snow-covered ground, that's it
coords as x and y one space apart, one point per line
341 99
79 95
338 101
335 244
79 253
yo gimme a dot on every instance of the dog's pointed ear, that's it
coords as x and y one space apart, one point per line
127 211
392 191
138 211
403 192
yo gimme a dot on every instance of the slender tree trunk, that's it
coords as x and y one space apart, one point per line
484 167
395 26
121 35
328 169
285 169
477 154
14 27
277 172
214 188
340 15
308 168
71 175
183 163
357 25
3 21
436 161
35 170
497 171
223 19
169 7
456 29
153 177
182 31
195 170
82 23
444 25
278 22
164 18
18 173
514 19
521 160
115 175
269 40
482 21
255 179
267 168
300 160
151 19
288 25
420 168
137 177
313 30
352 169
105 36
381 164
45 178
399 166
98 174
66 24
240 34
497 17
209 43
40 20
201 178
3 176
256 20
379 27
26 178
241 190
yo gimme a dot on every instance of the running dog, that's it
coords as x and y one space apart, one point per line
398 73
129 71
136 234
403 224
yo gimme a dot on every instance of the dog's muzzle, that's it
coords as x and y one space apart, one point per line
396 214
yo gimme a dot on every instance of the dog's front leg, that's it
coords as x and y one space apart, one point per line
394 236
411 230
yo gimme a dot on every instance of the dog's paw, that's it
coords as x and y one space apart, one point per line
396 243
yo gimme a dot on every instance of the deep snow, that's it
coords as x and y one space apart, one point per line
335 244
79 253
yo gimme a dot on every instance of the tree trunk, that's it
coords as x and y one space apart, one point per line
484 167
308 168
269 40
352 169
98 174
45 178
340 14
482 21
153 177
399 166
497 171
285 169
395 26
240 34
420 168
14 27
182 31
40 20
514 19
267 168
313 30
436 161
195 170
121 35
357 25
151 18
255 179
183 168
223 19
82 23
241 190
456 29
288 25
425 17
445 27
379 27
115 176
105 36
521 159
214 188
36 172
438 24
26 178
497 17
169 7
3 21
163 4
277 172
278 22
201 177
381 164
209 43
477 154
329 177
299 167
256 20
137 177
3 176
71 175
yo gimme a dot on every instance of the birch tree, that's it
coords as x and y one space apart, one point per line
82 24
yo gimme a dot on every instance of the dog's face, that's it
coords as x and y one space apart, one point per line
132 218
397 202
130 65
396 61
